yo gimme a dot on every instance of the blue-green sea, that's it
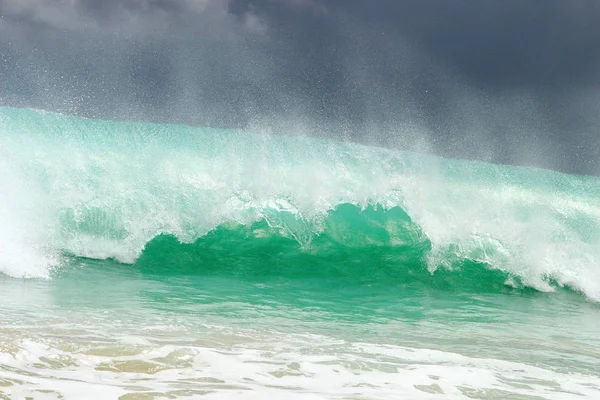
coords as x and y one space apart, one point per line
145 261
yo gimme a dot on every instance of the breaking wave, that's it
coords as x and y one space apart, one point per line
180 199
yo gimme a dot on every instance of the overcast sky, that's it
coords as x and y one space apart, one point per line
504 81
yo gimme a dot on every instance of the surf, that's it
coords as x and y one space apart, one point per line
174 199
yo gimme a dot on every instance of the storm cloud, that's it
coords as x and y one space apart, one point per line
511 82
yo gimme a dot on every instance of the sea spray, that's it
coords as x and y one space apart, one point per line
74 187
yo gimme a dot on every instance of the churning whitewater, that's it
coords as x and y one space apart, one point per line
185 262
172 199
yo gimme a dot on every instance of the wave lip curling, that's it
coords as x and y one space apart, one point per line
91 188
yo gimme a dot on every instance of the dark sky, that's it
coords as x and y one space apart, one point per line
506 81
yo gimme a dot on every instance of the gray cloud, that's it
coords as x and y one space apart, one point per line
128 17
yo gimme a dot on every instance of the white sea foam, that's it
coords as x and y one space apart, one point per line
100 189
258 365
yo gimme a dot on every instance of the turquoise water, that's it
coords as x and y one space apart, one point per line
144 261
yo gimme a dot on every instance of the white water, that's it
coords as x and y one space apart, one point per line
276 369
108 355
100 190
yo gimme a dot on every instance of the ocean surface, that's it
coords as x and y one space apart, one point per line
145 261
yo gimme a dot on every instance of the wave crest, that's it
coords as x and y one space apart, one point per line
155 195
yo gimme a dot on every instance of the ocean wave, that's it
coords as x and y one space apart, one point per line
180 198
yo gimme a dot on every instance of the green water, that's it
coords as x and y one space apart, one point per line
170 261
